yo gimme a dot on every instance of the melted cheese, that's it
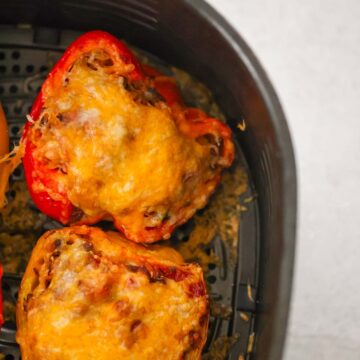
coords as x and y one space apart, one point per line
86 303
121 157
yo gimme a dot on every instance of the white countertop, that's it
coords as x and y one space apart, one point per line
311 52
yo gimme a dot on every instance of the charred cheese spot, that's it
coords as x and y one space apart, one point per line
119 150
109 309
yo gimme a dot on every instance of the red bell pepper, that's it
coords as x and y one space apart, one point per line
165 86
194 123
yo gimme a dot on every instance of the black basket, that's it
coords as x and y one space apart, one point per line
194 37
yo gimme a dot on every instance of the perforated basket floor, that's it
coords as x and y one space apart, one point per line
26 55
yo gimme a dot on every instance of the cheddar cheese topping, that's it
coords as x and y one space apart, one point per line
87 294
120 148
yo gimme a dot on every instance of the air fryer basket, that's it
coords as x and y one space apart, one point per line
192 36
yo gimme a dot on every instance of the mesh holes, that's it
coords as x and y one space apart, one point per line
18 174
13 89
16 69
14 130
15 54
29 69
212 266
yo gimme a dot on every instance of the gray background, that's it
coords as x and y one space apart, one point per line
311 52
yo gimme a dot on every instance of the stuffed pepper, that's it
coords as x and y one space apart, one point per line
110 139
87 294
